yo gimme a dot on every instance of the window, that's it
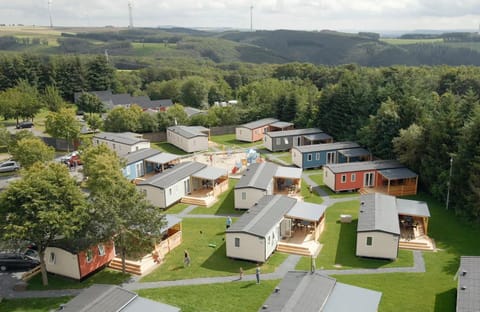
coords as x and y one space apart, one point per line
369 240
244 195
237 242
353 177
170 191
264 139
101 250
317 156
269 240
278 141
89 255
344 178
285 140
52 259
309 157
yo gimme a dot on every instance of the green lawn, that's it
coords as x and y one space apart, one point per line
398 41
32 304
228 141
167 147
206 261
310 197
106 276
224 205
150 49
286 157
338 240
318 178
234 297
176 209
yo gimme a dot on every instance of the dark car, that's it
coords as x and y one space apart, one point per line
17 262
25 124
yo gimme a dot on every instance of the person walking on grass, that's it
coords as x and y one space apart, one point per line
257 273
241 273
186 259
228 222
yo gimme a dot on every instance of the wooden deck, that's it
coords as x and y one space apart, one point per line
301 243
400 190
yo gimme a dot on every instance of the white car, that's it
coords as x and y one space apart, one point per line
9 166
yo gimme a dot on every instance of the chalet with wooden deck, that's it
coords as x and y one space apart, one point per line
318 155
284 140
262 179
384 176
468 290
189 138
314 292
255 130
147 161
122 143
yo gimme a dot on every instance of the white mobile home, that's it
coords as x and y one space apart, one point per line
122 143
256 182
189 139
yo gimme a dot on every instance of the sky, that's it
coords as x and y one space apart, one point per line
347 15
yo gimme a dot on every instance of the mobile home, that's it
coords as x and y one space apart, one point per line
190 139
318 155
284 140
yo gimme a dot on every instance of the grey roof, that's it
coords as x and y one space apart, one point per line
378 212
192 111
295 132
127 138
307 292
258 123
326 147
162 158
364 166
160 103
347 298
468 291
141 154
398 173
171 220
121 99
318 137
111 298
307 211
412 208
354 152
171 176
281 124
210 173
288 172
102 95
257 176
263 216
189 132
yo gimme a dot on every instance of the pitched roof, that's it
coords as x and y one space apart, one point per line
294 132
192 111
102 95
258 123
398 173
260 219
288 172
412 208
354 152
364 166
141 154
313 292
318 137
127 138
326 147
210 173
189 131
158 103
281 124
307 211
378 212
468 290
111 298
257 176
171 176
162 158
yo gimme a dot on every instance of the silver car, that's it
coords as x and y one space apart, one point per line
9 166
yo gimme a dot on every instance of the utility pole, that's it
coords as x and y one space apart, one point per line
448 184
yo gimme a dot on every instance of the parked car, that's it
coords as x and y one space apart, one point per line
16 262
9 165
72 158
25 124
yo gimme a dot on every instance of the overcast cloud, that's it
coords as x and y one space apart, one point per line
267 14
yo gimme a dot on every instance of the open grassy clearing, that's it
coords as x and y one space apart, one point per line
234 297
32 304
206 261
150 49
105 276
338 240
167 147
228 141
225 204
309 197
176 209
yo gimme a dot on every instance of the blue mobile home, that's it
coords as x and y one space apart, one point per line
317 155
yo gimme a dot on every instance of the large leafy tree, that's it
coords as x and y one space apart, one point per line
63 125
100 74
194 92
122 119
30 150
42 206
52 99
117 209
22 101
89 103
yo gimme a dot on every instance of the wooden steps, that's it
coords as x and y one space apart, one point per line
296 249
425 244
130 266
199 201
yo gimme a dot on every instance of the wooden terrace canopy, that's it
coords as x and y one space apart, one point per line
397 181
163 161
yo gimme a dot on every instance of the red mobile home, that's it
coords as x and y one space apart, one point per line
384 176
255 130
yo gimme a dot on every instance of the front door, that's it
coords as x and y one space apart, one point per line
140 171
297 141
368 179
331 159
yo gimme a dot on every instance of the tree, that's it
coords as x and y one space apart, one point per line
409 145
194 92
148 123
121 119
174 115
100 74
117 209
169 89
95 122
52 99
42 206
89 103
22 101
28 151
63 125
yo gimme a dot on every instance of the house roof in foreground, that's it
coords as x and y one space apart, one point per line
210 173
313 292
173 175
288 172
398 173
260 219
258 123
354 152
141 154
468 290
410 207
127 138
378 212
189 131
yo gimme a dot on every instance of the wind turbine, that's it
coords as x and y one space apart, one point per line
251 18
50 12
130 25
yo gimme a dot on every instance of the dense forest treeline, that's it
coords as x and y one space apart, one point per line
424 116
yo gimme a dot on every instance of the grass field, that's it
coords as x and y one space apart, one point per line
150 49
32 304
177 208
338 240
233 297
206 261
397 41
105 276
167 147
310 197
225 204
228 141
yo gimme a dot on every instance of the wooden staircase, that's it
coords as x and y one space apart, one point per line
420 243
296 249
130 266
366 190
199 201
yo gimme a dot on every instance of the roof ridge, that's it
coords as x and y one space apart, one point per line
262 212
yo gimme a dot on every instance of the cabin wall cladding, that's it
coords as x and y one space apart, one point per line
222 130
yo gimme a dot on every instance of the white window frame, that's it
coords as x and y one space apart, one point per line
317 156
52 259
353 177
237 241
343 178
278 141
369 241
89 255
101 250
